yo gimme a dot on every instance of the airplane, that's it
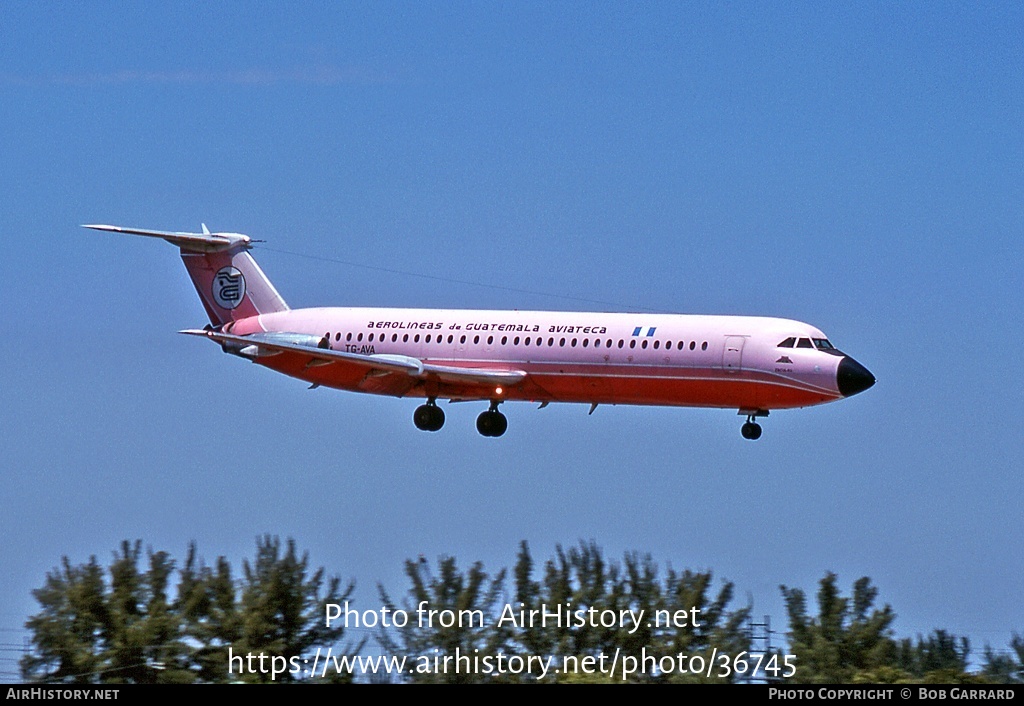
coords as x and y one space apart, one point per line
750 363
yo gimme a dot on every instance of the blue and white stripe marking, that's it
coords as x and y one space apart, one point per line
638 331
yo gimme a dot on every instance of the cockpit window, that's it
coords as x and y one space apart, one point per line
804 343
823 344
788 343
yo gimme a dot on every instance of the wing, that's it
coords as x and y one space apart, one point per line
259 345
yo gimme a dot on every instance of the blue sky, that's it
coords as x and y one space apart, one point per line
858 168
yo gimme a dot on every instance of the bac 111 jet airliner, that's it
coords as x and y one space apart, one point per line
751 364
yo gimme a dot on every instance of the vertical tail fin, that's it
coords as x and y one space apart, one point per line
229 282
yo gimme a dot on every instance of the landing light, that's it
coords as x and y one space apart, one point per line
498 390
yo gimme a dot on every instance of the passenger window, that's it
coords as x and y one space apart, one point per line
504 340
621 342
561 342
427 340
348 336
693 344
405 338
476 340
450 338
359 337
704 346
490 340
527 340
416 338
515 341
644 344
394 338
656 343
463 339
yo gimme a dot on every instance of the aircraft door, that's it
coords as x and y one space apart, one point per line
732 357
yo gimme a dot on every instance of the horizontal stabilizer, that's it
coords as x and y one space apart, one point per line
268 343
191 242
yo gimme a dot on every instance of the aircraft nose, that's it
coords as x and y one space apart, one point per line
852 377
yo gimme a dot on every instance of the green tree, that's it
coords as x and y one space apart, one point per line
575 582
848 640
67 631
1005 668
212 622
141 635
580 579
680 618
721 630
283 605
940 658
130 631
458 620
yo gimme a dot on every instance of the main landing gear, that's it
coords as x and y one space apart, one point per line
492 422
751 429
428 417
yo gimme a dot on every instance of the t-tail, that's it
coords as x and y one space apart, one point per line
230 283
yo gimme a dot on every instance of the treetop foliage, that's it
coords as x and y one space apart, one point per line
128 628
850 640
130 622
580 578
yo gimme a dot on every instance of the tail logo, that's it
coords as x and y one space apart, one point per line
228 287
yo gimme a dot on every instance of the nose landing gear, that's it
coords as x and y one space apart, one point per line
428 417
751 429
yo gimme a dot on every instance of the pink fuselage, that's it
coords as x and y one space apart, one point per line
604 358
